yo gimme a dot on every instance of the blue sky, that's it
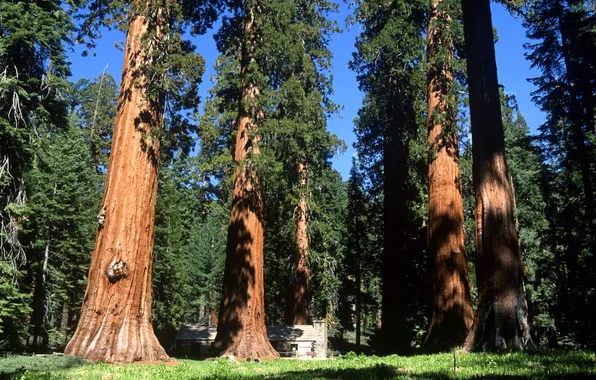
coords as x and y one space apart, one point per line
513 70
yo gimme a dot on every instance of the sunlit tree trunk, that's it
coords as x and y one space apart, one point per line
115 321
501 320
452 313
300 285
241 329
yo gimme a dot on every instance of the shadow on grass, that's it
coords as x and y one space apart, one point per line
382 371
12 367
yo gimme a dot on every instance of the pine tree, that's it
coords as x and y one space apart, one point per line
357 244
33 71
95 104
563 43
501 317
63 197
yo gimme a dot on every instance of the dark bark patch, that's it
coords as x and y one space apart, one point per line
117 271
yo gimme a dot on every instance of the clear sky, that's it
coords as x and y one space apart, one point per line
513 70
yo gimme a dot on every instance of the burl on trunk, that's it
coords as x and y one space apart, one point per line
115 322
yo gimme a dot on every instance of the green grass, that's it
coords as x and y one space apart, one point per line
544 365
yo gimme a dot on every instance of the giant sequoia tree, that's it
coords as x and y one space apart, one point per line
115 322
501 318
390 48
452 313
241 327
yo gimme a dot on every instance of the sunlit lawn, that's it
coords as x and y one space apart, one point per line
544 365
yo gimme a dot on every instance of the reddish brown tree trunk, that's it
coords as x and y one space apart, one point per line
115 322
241 329
300 293
501 318
452 313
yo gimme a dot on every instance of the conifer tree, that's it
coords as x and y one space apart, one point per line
501 320
563 44
389 51
119 285
33 70
357 244
526 175
95 104
241 324
452 313
63 197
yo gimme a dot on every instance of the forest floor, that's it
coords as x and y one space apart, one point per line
542 365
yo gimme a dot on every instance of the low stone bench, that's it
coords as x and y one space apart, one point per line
299 341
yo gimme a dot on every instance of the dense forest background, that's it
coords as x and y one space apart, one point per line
55 141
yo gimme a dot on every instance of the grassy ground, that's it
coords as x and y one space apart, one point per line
545 365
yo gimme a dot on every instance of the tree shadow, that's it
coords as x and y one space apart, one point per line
14 367
449 287
240 272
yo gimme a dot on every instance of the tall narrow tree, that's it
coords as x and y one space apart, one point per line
389 51
241 327
452 313
501 318
300 293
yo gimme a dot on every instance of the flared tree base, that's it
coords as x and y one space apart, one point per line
123 345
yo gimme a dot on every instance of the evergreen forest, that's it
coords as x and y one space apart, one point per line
183 194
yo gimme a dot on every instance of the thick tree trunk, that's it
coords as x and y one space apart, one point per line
241 329
396 261
115 322
501 318
452 313
300 291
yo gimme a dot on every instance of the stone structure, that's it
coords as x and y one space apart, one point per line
300 341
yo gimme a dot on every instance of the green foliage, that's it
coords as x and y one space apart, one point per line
391 129
542 365
291 67
94 103
361 263
14 309
64 199
563 40
205 260
171 63
33 70
526 172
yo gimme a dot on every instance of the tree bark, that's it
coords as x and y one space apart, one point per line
115 322
396 260
64 318
452 313
300 293
501 318
241 330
